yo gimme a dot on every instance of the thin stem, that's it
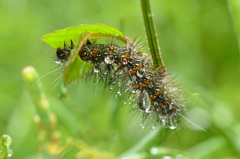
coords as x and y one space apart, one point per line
147 142
37 95
234 10
152 39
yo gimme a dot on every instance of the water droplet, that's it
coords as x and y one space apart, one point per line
144 101
105 72
139 74
172 127
124 61
59 62
119 93
167 157
96 68
148 111
172 124
10 153
142 126
154 150
109 59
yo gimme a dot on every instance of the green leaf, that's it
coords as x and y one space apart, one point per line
57 38
76 68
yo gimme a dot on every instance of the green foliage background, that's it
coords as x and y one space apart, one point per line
199 45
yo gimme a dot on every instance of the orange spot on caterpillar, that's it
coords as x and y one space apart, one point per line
136 86
143 85
157 94
165 102
162 106
147 81
132 72
141 65
153 97
173 110
161 90
110 52
135 68
124 62
94 54
127 55
82 55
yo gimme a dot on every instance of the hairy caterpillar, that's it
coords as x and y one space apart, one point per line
128 71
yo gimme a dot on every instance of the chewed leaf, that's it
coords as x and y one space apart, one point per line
56 39
76 67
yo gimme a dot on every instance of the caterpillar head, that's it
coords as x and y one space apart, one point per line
64 53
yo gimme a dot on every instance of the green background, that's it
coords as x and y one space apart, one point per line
198 40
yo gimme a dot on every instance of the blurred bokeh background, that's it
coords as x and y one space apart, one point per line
199 44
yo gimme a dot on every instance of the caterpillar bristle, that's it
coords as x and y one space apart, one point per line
128 72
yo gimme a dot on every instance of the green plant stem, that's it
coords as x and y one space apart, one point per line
151 36
5 151
147 142
234 9
37 95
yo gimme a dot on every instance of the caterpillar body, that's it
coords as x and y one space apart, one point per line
130 73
